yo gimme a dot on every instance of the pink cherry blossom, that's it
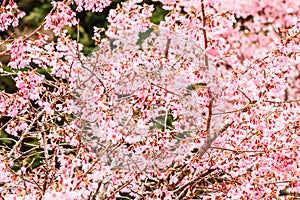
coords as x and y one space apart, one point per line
10 15
205 106
60 17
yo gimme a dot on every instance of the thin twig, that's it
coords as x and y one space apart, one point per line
25 133
279 102
209 140
210 136
167 48
243 93
181 195
120 188
26 38
201 176
97 190
47 164
240 151
283 181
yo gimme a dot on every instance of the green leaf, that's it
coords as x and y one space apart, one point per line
196 86
3 139
158 14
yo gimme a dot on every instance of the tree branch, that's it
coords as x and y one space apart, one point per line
25 133
209 140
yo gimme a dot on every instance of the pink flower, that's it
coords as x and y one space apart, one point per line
10 15
48 108
62 16
212 52
94 6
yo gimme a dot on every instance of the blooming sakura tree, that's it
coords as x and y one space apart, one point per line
203 105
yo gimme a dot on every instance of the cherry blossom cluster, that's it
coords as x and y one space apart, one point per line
94 6
130 17
61 15
10 15
204 105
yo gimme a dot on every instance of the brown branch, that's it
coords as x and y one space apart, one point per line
167 48
210 139
241 151
253 151
210 105
165 89
252 103
182 194
47 164
244 109
201 176
92 166
286 101
97 190
120 188
210 112
25 133
243 93
283 181
204 31
23 178
210 136
88 171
